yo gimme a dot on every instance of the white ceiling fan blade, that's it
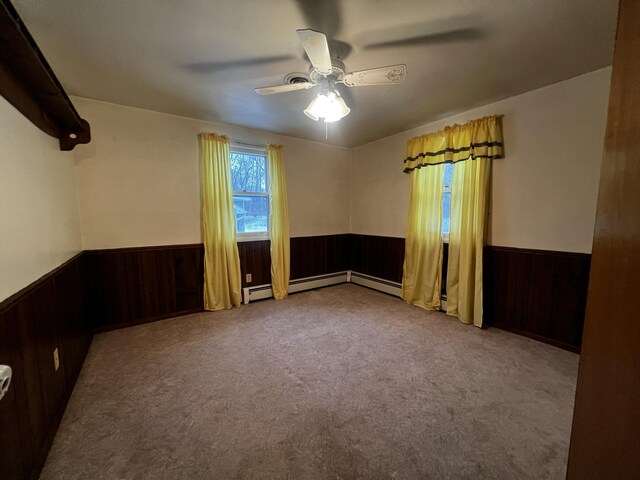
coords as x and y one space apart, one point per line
284 88
394 74
317 48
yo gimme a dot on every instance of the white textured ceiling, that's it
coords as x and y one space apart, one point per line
203 58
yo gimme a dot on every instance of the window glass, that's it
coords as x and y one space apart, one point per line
249 179
446 200
248 172
252 213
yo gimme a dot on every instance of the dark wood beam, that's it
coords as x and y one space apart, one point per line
29 84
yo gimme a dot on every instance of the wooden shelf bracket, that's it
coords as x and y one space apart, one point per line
29 84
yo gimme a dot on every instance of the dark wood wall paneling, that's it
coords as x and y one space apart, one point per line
381 257
537 293
128 286
255 258
540 294
50 313
311 256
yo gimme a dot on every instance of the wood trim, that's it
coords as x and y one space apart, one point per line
605 439
19 295
29 84
145 248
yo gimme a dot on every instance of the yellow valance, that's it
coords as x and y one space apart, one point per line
480 138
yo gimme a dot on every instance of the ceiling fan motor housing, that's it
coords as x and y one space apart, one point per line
337 72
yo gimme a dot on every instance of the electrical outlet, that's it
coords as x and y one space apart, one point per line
248 280
56 360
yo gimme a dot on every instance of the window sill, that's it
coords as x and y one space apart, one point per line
252 237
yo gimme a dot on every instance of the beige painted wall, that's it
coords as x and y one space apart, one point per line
39 226
138 181
545 190
139 184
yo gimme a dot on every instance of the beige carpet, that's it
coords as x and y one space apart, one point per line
342 383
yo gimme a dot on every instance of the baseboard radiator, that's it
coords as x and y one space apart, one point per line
260 292
380 284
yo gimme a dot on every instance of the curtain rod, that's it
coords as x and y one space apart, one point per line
247 144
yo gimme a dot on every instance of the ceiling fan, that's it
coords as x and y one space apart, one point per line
325 72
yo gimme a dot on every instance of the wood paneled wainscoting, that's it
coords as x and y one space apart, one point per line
381 257
49 314
128 286
310 256
537 293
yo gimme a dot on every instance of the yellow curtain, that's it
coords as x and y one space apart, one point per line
471 147
475 139
222 286
278 223
423 250
467 236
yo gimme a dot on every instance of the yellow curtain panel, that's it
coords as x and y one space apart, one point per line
471 147
467 236
222 286
476 139
278 223
423 250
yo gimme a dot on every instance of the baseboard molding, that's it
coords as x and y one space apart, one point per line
380 284
261 292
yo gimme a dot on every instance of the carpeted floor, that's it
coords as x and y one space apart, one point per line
341 383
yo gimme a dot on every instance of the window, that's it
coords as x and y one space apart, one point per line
446 200
249 178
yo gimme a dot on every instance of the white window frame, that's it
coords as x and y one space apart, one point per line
237 147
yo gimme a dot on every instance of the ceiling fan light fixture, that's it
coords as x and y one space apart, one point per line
329 106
